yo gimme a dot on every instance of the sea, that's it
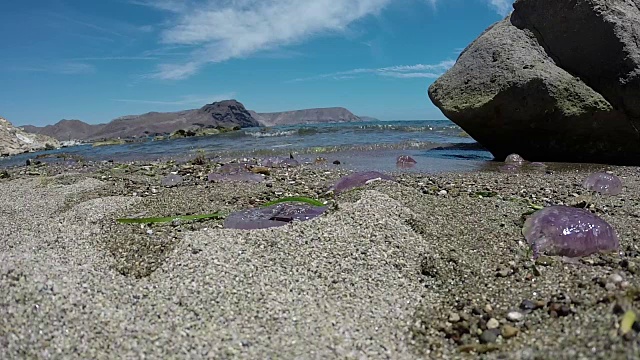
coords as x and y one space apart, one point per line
435 145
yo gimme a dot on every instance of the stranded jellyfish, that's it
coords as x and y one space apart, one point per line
568 231
508 168
514 159
279 162
358 179
405 161
603 183
171 180
272 216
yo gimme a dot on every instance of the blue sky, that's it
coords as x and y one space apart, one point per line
97 60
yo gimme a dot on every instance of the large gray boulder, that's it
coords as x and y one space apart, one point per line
557 80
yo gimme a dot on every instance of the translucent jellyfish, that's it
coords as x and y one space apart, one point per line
508 168
358 179
279 162
603 183
232 168
568 231
272 216
405 161
171 180
538 164
514 159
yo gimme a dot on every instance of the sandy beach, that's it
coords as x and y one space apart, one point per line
418 268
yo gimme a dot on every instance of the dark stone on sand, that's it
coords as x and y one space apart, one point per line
554 81
489 336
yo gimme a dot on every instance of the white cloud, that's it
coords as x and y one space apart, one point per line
502 7
166 5
220 30
183 100
227 29
400 71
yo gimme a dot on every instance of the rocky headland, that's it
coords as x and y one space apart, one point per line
307 116
557 80
209 119
14 140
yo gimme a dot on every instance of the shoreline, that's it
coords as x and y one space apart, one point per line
411 269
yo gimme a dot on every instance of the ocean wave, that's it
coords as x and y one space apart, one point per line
268 133
410 128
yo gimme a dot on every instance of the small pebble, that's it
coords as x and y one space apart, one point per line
515 316
503 273
489 336
488 308
530 305
454 317
509 331
442 192
493 324
615 278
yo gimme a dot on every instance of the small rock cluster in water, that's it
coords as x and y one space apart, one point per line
603 183
405 161
568 231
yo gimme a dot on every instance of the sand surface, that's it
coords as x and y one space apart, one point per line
393 270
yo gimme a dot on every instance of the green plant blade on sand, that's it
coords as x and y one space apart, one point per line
303 199
217 215
627 321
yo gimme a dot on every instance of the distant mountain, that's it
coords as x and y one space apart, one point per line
308 116
228 113
65 130
14 140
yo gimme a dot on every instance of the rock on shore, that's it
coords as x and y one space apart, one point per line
14 141
557 80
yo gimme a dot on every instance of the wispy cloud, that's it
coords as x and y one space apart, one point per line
400 71
165 5
226 29
109 58
502 7
69 68
183 100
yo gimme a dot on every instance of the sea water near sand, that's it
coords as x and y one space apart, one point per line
436 145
